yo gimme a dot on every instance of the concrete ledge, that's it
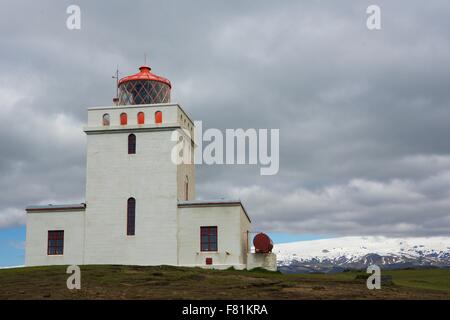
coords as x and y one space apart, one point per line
266 261
131 127
57 207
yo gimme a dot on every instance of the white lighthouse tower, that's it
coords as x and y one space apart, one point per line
140 206
129 169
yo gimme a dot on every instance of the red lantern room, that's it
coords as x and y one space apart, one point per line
144 87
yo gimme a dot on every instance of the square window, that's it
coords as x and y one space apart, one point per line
55 242
208 238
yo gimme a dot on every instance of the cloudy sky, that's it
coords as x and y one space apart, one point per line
364 116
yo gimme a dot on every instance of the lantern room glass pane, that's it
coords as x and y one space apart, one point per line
143 92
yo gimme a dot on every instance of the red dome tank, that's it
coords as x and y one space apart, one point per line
262 243
144 87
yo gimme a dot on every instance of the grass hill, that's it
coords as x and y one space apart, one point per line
165 282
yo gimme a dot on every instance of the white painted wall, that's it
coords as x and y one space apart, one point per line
246 227
38 225
267 261
186 172
149 176
230 233
112 177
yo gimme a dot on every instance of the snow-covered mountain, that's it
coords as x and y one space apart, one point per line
338 254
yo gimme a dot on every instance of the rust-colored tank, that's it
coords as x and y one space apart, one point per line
262 243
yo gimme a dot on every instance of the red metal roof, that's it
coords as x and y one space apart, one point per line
145 74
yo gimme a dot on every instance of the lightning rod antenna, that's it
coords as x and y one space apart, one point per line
116 99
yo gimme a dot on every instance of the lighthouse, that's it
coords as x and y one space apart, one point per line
140 207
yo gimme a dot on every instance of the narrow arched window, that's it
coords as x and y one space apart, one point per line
186 188
131 144
131 217
158 117
106 119
140 118
123 119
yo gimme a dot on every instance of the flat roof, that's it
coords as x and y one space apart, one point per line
56 207
130 106
213 203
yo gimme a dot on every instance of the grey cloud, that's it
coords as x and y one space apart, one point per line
363 116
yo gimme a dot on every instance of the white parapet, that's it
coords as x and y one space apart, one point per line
266 261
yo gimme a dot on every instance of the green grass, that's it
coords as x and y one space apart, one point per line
434 279
166 282
437 279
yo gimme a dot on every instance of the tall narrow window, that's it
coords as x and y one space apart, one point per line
186 188
141 118
158 117
106 119
55 245
131 144
208 238
123 119
131 216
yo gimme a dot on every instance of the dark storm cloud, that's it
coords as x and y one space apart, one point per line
363 116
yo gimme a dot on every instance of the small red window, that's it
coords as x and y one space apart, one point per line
55 245
209 261
158 117
141 118
208 238
123 119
